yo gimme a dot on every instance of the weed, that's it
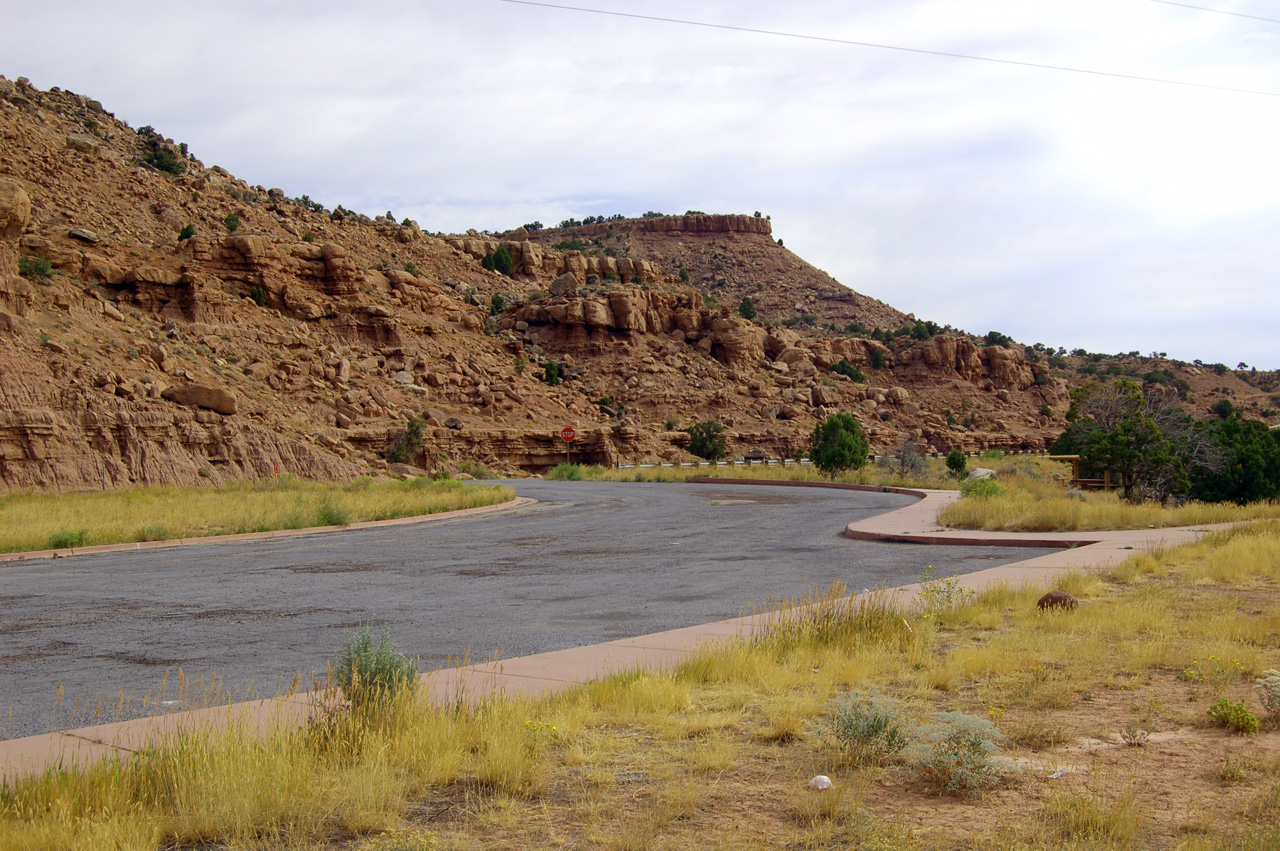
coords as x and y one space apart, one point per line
953 756
34 268
1037 736
164 160
231 222
188 231
1234 769
566 473
551 373
475 470
404 446
1134 736
868 732
981 488
399 840
330 513
1213 671
153 533
1081 817
68 539
371 671
1268 686
843 367
1234 716
259 296
938 595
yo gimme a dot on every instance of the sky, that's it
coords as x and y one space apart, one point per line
1066 208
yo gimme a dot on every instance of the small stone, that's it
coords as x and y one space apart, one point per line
84 235
821 783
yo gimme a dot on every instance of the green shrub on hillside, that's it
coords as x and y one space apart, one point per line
707 440
849 370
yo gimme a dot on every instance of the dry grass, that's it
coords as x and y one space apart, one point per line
1035 502
933 476
718 753
57 521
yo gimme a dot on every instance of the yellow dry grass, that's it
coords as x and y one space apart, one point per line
1032 502
58 521
933 476
718 752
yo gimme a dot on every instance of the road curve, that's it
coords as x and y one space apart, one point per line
590 562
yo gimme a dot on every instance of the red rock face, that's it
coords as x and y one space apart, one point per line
314 336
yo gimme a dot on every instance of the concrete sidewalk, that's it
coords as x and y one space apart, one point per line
918 524
550 672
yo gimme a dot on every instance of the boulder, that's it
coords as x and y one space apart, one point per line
897 395
82 143
825 396
791 355
15 209
740 342
201 396
564 285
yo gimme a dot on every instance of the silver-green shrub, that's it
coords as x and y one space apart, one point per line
372 672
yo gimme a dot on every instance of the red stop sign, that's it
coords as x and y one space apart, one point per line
567 434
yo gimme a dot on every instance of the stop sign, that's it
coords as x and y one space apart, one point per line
567 434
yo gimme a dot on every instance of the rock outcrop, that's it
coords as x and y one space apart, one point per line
168 346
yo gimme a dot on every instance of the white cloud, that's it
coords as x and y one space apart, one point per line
1057 207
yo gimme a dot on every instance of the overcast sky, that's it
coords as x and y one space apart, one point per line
1057 207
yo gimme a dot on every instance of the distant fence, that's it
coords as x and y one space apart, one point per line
791 462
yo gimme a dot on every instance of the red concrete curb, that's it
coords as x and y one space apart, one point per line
516 502
1043 543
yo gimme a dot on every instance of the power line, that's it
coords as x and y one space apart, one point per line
1219 11
920 50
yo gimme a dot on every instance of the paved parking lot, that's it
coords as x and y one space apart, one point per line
590 562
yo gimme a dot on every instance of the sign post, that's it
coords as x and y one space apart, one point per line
567 434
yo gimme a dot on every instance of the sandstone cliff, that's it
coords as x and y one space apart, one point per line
162 321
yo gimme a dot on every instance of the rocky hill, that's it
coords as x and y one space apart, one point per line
728 258
165 322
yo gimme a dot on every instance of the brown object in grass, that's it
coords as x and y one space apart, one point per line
1057 600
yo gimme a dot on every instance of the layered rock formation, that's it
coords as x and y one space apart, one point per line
188 327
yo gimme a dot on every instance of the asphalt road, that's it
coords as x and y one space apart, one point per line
590 562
